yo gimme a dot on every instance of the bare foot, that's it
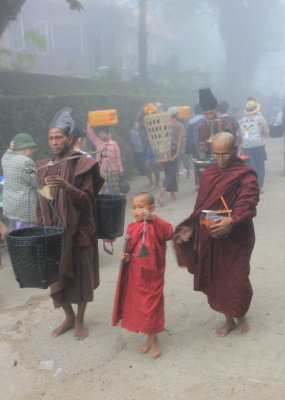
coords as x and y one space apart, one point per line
155 350
144 348
228 326
64 327
81 331
160 201
242 325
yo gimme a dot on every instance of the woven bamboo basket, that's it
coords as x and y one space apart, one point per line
159 130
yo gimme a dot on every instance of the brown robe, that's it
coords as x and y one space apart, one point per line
221 266
211 128
75 210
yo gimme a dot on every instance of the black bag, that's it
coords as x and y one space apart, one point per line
36 254
276 131
110 215
124 185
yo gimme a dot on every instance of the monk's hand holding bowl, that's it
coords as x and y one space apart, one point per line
183 234
222 227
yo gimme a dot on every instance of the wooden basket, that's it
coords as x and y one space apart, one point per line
159 130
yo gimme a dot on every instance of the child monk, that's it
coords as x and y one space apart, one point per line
139 301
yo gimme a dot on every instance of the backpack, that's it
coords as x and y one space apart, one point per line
250 132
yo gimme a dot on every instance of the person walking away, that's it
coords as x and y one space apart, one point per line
219 258
223 108
111 167
171 166
20 187
137 147
150 164
139 302
78 136
253 129
73 185
192 135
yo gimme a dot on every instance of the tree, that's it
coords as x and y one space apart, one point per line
244 40
9 9
244 26
142 44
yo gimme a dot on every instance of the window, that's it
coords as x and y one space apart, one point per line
42 29
17 29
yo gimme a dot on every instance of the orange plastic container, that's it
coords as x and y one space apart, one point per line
184 112
149 108
103 118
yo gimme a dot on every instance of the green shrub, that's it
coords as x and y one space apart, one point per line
32 115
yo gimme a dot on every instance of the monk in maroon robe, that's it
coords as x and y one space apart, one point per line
219 259
73 185
139 301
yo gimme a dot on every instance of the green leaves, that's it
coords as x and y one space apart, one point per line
75 5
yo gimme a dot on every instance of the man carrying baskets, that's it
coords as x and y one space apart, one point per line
218 254
74 183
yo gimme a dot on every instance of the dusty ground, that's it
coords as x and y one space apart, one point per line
195 363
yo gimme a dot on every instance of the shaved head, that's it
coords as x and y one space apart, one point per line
224 149
224 138
147 196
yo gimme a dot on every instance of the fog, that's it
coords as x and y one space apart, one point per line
235 46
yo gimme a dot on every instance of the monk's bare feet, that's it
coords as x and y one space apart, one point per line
155 350
144 348
67 324
228 326
81 332
242 325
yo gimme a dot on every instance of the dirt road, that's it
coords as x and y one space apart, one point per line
195 363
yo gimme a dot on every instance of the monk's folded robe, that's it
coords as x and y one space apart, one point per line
221 266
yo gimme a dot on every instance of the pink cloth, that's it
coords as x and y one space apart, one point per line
113 161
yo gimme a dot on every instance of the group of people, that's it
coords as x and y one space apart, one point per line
191 141
218 256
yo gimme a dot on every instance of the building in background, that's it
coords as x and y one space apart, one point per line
101 37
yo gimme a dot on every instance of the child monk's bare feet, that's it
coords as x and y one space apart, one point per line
67 324
144 348
242 325
228 326
155 350
81 332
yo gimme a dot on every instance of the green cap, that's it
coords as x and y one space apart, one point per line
23 141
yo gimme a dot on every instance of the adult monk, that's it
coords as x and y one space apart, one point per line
220 259
73 186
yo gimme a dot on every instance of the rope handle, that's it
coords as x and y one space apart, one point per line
225 205
51 163
205 222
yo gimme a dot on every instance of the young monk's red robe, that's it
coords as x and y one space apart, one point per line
139 302
221 266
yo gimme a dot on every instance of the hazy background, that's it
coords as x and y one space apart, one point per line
235 46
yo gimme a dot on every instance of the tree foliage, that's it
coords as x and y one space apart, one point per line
9 9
